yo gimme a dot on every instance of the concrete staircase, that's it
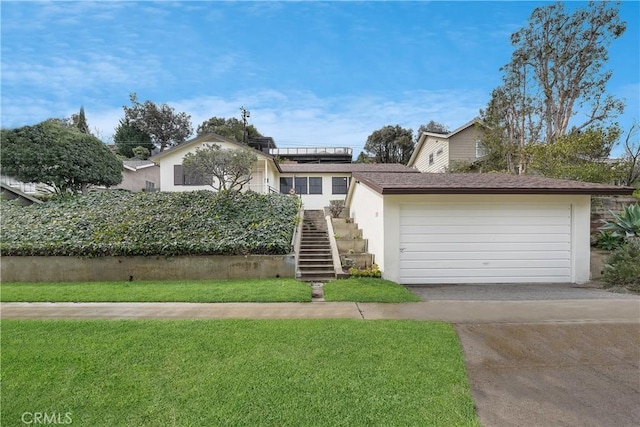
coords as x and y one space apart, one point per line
315 262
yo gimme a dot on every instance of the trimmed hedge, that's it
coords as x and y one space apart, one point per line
116 223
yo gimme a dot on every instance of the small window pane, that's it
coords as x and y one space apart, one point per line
286 184
315 185
301 185
339 185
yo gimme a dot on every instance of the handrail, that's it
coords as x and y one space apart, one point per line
337 264
315 150
297 239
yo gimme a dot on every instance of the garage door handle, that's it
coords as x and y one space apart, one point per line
402 250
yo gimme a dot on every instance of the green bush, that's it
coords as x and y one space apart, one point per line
626 223
374 271
608 241
623 267
156 223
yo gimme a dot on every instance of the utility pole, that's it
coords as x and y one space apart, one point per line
245 116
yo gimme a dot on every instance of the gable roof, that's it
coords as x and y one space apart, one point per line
344 167
480 183
424 135
207 137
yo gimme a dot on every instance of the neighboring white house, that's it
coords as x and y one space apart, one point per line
30 188
434 152
139 175
172 178
319 183
476 228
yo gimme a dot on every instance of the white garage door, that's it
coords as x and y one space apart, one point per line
485 243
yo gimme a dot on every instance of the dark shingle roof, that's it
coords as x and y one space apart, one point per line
345 168
480 183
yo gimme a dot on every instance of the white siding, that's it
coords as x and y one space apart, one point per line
367 210
433 146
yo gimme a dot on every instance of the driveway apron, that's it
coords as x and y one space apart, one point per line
560 374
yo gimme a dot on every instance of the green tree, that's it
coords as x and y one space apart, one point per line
579 155
225 170
166 127
557 67
390 144
229 128
80 121
58 155
630 165
433 127
127 137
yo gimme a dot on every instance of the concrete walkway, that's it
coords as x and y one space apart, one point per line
454 311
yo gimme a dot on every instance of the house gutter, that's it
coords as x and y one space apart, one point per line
335 255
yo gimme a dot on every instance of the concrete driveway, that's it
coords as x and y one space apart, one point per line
560 374
516 292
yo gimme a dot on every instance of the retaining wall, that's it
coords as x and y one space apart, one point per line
75 269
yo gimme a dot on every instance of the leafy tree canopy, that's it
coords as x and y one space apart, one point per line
80 121
223 169
390 144
59 155
556 69
229 128
165 127
579 155
433 127
127 137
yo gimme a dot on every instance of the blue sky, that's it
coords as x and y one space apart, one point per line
310 73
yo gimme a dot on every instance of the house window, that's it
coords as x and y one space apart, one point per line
149 185
286 184
180 178
481 151
440 150
430 159
301 185
315 185
339 185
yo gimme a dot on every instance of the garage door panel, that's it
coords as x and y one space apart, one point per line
483 237
486 264
482 280
485 246
485 221
485 243
463 210
487 255
482 272
492 229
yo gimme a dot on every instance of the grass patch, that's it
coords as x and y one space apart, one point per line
255 290
367 290
236 373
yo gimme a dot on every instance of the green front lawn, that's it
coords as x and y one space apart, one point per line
260 290
236 373
363 289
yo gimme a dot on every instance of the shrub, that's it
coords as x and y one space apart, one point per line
609 241
374 271
626 223
336 207
623 266
158 223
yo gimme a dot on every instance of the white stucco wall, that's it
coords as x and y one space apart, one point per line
367 210
317 201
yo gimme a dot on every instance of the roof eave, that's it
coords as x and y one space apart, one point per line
439 190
